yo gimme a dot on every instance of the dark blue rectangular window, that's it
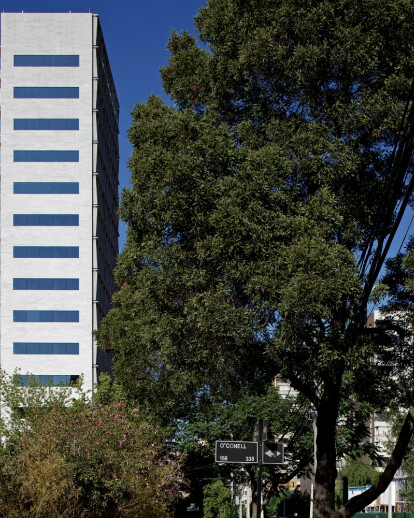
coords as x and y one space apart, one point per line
49 379
46 220
46 252
46 156
46 124
45 348
45 284
46 92
46 187
21 60
45 316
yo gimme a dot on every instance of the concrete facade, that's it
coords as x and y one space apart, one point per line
39 97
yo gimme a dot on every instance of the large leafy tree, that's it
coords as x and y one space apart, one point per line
262 207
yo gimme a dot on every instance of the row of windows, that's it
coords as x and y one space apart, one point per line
46 187
21 60
45 316
46 124
46 220
46 156
46 252
51 219
46 92
45 348
49 379
45 284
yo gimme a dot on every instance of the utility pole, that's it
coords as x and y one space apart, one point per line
344 490
261 432
315 432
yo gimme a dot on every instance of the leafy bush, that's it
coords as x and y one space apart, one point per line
71 457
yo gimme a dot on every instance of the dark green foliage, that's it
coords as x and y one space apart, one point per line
360 473
408 468
290 502
260 212
217 500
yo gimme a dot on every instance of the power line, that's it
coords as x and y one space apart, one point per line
405 236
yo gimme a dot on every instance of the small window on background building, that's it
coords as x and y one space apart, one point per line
46 124
46 188
45 348
45 284
45 252
45 220
49 379
46 60
46 156
45 316
46 92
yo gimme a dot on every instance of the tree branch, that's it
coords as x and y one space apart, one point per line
360 501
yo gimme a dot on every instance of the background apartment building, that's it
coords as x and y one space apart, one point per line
59 194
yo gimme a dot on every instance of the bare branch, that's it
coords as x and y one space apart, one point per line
360 501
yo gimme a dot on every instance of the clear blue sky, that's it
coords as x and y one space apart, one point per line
136 33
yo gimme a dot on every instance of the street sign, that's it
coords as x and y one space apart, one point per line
239 452
273 453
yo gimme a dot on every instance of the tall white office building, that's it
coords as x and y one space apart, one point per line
59 194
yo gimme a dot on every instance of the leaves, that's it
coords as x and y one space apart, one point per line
260 209
85 459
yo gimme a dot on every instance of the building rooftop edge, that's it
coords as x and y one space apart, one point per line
48 12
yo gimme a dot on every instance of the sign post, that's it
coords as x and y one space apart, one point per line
261 428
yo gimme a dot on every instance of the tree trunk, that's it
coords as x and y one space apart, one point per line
255 513
325 475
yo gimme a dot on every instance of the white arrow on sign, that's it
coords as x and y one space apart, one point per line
271 453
